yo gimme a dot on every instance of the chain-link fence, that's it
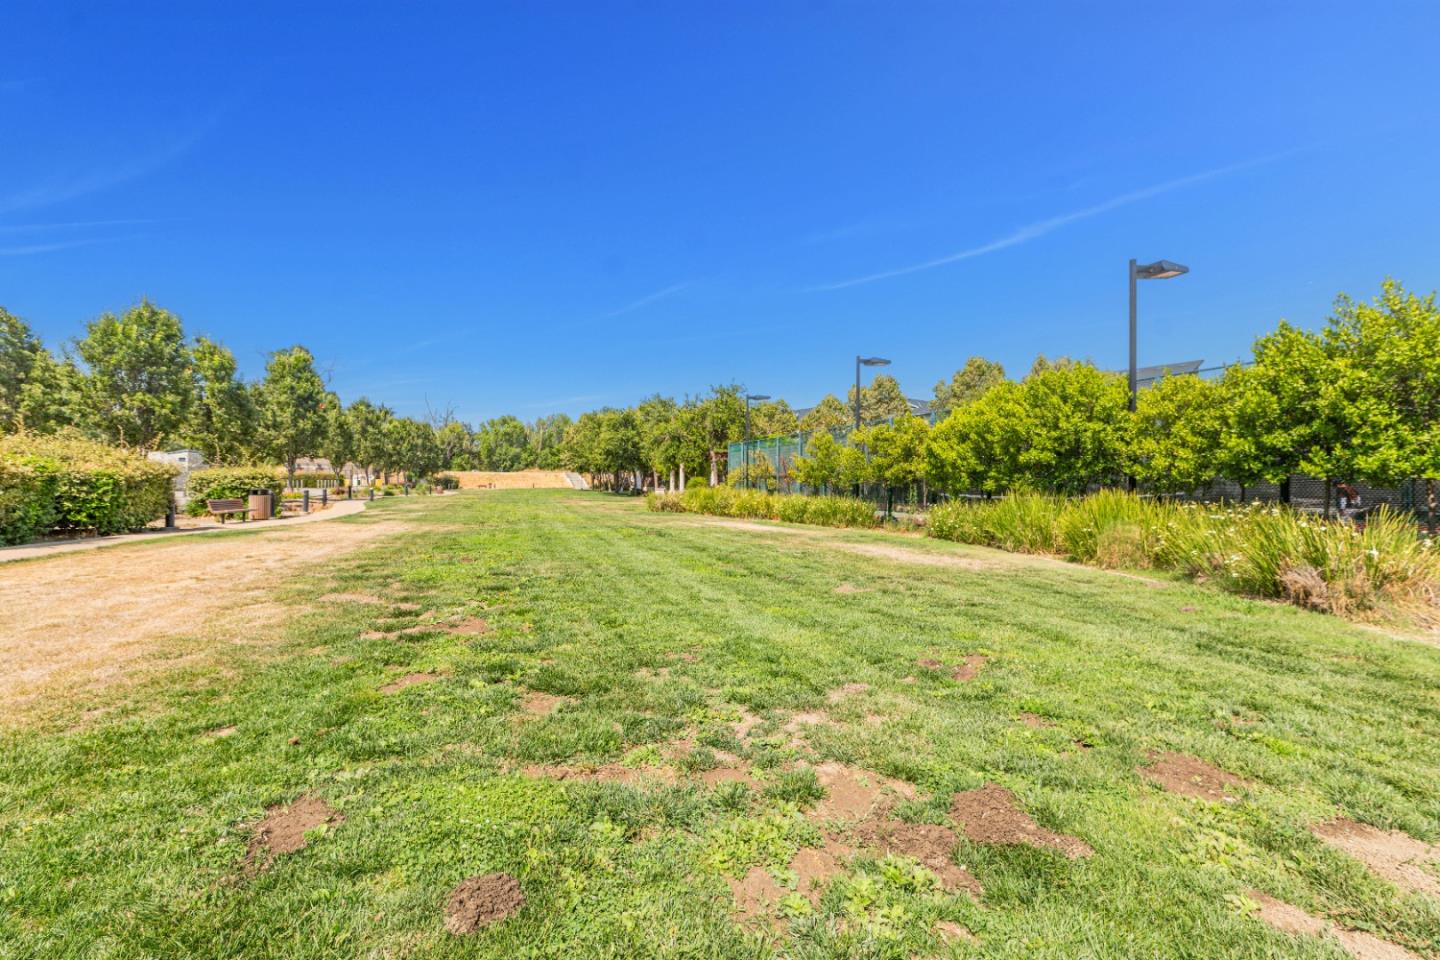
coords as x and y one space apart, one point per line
1310 494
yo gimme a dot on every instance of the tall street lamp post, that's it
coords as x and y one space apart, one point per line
863 362
1159 270
757 397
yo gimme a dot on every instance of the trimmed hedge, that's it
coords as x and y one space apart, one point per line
757 504
69 484
227 483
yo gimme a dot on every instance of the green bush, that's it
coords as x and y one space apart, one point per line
759 505
696 483
68 484
228 483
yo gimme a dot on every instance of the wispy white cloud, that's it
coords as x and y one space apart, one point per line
1042 227
58 189
26 250
71 225
645 301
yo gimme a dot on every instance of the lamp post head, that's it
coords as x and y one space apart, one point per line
1160 270
757 397
873 361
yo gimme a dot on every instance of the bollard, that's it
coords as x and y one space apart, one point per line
349 492
305 502
372 494
170 515
325 497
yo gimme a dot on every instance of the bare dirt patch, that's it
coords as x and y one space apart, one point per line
840 693
726 774
409 680
971 668
604 773
221 732
950 932
747 722
1290 919
1035 721
537 704
991 814
1395 856
816 866
1190 777
855 794
283 829
931 844
84 619
848 588
368 598
930 663
480 901
755 894
471 626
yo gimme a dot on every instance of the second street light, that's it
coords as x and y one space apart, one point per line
1159 270
863 362
758 398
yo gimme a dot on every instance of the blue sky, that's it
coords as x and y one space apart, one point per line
544 206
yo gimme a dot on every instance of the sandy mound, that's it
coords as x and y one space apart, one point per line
991 815
1292 920
853 794
840 693
283 829
1185 775
538 704
480 901
409 680
1396 856
971 668
928 843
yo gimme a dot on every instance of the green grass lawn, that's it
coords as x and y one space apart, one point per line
126 835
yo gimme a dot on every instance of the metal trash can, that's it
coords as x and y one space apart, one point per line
260 505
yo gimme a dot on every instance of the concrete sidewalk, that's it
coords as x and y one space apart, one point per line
29 551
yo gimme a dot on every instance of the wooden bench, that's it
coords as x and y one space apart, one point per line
222 508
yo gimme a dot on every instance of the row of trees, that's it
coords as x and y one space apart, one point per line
1357 400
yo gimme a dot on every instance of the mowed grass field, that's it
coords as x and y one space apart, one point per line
691 738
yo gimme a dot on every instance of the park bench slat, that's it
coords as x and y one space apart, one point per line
221 508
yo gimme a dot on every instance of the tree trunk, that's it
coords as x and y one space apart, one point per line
682 476
714 468
1328 483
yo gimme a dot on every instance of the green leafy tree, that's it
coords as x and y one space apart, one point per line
880 400
339 445
1043 364
1078 428
366 423
1179 433
896 452
821 467
546 437
829 414
457 444
20 351
1389 357
411 448
139 386
222 417
773 418
719 421
52 397
503 444
660 441
978 446
968 383
293 408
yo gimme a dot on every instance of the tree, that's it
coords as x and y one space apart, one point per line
222 417
411 448
968 383
1179 433
1391 385
292 408
52 396
829 414
546 435
978 446
660 441
880 400
821 466
502 444
1077 427
366 425
139 386
719 421
896 452
19 352
1042 364
773 418
339 445
457 445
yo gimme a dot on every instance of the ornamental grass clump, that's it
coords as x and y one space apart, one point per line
759 505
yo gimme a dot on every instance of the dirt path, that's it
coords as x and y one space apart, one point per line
85 620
